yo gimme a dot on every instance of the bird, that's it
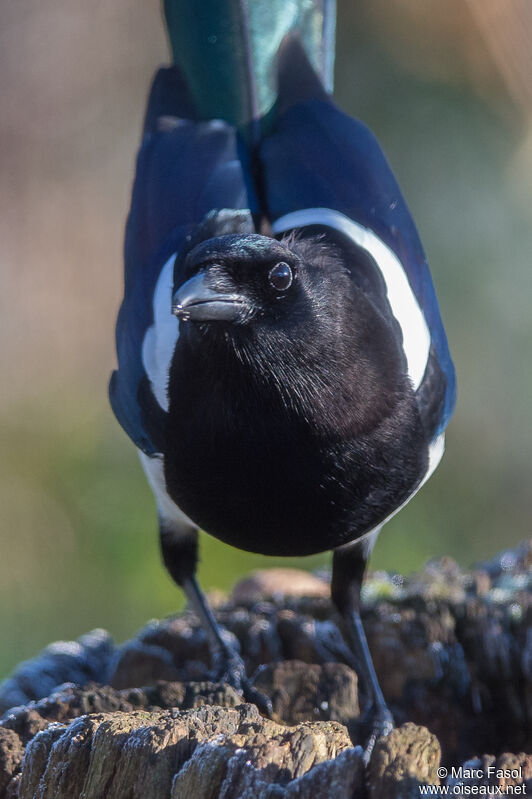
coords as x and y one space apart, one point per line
283 368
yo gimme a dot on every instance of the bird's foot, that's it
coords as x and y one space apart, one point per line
379 722
229 667
331 644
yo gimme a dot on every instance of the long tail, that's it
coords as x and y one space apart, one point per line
227 51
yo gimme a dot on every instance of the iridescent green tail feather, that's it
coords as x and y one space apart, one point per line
227 50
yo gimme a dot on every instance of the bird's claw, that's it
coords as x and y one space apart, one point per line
263 702
380 721
230 668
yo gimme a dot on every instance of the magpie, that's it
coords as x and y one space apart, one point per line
283 369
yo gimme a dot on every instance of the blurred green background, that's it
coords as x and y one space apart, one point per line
447 89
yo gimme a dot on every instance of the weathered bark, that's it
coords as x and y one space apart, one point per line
453 651
11 752
407 758
214 751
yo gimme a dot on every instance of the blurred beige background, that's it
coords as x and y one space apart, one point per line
447 87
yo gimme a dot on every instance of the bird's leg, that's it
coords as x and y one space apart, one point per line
180 554
349 565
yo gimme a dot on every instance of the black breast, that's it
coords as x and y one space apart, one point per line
262 476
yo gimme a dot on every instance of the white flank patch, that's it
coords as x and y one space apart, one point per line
160 339
168 510
436 450
403 302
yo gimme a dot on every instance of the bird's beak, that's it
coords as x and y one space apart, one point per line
196 301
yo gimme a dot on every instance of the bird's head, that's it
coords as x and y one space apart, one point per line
296 316
253 280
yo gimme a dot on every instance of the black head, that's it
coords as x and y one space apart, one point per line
294 317
252 281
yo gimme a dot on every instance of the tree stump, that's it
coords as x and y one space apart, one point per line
453 650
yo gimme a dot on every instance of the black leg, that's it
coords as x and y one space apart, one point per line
180 555
349 565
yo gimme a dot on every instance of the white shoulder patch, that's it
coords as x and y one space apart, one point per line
403 302
160 339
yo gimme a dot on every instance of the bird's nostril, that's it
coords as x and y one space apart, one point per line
182 313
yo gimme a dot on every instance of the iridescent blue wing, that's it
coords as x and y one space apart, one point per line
324 168
184 170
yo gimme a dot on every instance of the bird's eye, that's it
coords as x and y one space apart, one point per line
280 277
